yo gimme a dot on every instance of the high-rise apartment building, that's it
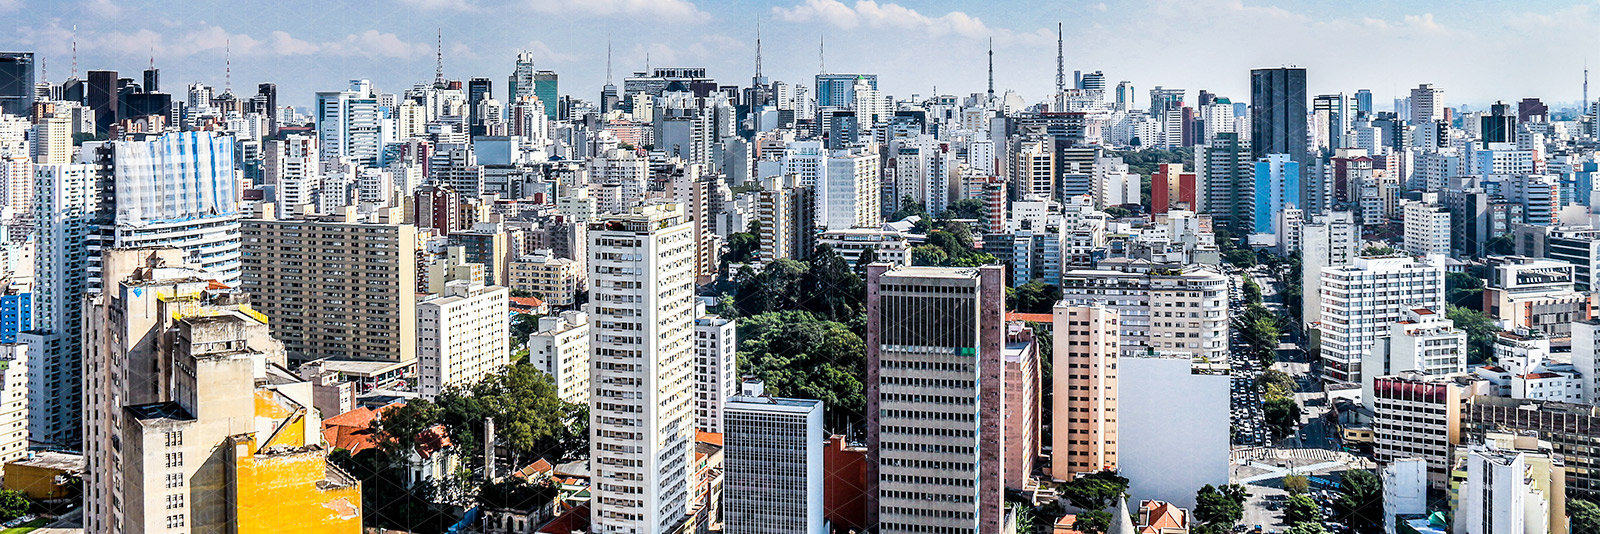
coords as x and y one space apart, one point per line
1422 340
1427 229
1277 187
715 376
786 212
1024 390
1229 175
1278 115
1515 484
772 464
461 336
1361 300
936 398
1161 310
641 420
64 211
1033 168
1085 414
335 286
1415 415
1427 104
177 189
560 348
292 168
1172 189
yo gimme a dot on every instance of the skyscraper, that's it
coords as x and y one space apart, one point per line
1278 115
1277 187
64 211
478 90
1227 170
936 397
101 96
16 83
641 422
1427 104
544 87
178 189
317 312
349 124
838 90
520 83
1085 427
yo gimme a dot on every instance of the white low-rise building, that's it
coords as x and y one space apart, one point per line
889 246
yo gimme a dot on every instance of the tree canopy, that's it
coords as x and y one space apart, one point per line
1359 504
1480 331
1220 508
799 355
1585 516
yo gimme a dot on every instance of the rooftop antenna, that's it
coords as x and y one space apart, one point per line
438 58
608 59
227 66
991 68
1061 63
647 63
758 48
74 51
821 65
1585 86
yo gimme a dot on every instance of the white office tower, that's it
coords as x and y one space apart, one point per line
1405 489
16 186
51 140
1328 240
560 348
1361 300
624 171
923 171
1512 487
64 211
350 123
1427 229
1585 357
1423 340
847 183
462 336
772 464
179 190
292 169
641 276
715 368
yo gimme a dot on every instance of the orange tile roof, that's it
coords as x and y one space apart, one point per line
1162 517
713 438
351 430
1035 317
526 302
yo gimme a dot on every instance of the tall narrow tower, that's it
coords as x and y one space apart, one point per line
759 80
641 420
1061 63
991 69
438 60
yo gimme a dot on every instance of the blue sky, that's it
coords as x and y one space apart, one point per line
1477 51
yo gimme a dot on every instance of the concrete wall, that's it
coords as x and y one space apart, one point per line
1173 429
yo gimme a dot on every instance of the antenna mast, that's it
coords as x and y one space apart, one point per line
991 69
438 59
1061 63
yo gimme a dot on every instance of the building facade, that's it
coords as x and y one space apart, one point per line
461 336
772 464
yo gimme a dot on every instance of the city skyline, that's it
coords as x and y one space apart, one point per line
306 47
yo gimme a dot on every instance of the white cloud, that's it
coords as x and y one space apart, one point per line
542 53
666 10
870 14
372 43
283 44
102 8
442 5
